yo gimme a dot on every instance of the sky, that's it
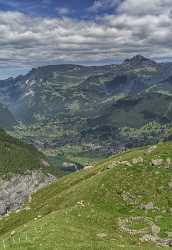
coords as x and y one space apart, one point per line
42 32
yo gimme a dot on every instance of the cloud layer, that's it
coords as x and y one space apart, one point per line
143 26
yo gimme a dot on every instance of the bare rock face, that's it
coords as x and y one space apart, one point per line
14 191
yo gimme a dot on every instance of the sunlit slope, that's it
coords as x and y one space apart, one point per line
124 202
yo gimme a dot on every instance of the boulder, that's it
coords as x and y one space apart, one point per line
138 160
88 167
69 166
168 160
151 149
45 163
155 230
169 234
157 162
127 163
12 233
101 235
148 206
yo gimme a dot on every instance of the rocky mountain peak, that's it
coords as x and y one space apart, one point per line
139 60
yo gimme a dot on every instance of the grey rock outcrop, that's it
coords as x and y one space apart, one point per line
148 206
14 191
157 162
138 160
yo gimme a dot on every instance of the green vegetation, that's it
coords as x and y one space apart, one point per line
76 105
75 154
17 157
72 154
150 133
90 209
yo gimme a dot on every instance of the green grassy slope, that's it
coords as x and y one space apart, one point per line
87 209
17 157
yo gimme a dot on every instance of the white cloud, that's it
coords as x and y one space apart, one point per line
144 7
32 41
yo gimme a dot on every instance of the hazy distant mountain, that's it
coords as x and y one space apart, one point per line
70 96
7 120
140 61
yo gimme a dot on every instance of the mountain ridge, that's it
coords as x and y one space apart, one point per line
68 96
139 60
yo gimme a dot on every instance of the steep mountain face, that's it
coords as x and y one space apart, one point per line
23 170
164 86
7 120
68 99
137 111
44 92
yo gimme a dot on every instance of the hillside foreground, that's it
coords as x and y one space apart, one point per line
123 202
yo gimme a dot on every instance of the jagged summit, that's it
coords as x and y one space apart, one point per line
139 60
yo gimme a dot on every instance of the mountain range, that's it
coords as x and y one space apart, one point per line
74 104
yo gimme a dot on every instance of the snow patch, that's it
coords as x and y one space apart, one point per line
30 82
30 92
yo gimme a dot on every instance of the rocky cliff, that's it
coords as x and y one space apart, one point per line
15 190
